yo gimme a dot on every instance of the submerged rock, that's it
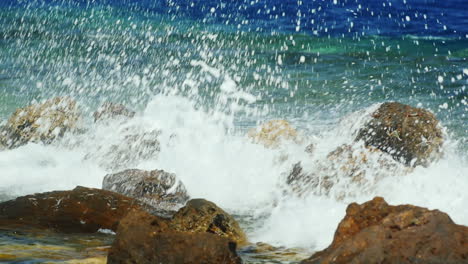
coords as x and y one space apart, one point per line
42 122
262 252
200 215
411 135
110 110
126 151
80 210
375 232
271 133
157 188
144 238
345 167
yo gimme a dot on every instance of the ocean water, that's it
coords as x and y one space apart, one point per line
205 72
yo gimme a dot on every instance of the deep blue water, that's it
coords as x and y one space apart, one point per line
318 17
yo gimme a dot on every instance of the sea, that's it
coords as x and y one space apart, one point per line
205 72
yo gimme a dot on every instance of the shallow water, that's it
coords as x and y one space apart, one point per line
205 73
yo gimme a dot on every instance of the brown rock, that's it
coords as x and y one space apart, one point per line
271 133
376 232
112 110
411 135
144 238
200 215
40 122
80 210
156 188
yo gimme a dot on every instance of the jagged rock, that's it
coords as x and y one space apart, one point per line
411 135
271 133
80 210
144 238
42 122
200 215
376 232
157 188
345 166
110 110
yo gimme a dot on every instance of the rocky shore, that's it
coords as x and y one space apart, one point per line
155 220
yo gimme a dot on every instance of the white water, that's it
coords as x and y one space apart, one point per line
217 162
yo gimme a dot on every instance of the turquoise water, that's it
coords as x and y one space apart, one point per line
106 52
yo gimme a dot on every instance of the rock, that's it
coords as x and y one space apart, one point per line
80 210
375 232
411 135
310 149
112 110
3 138
43 122
33 245
156 188
200 215
346 166
262 252
144 238
130 148
271 133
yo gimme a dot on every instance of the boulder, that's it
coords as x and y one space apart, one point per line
80 210
346 166
375 232
144 238
110 110
271 133
200 215
411 135
156 188
42 122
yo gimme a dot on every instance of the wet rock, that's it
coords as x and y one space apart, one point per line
33 245
348 167
42 122
157 188
261 252
411 135
126 151
110 110
144 238
375 232
3 138
80 210
200 215
310 149
271 133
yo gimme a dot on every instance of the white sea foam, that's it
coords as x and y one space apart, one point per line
217 162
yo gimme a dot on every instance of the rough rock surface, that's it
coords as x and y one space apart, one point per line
156 188
42 122
375 232
144 238
80 210
200 215
110 110
342 168
411 135
271 133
